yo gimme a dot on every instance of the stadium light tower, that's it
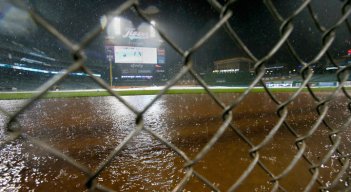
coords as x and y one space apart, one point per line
114 30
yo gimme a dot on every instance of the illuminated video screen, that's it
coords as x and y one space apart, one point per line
141 55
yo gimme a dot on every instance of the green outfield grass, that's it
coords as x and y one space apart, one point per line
101 93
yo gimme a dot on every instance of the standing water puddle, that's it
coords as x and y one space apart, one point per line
88 129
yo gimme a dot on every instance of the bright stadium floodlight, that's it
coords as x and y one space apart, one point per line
117 25
152 29
114 29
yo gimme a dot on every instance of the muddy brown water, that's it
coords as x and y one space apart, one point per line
88 129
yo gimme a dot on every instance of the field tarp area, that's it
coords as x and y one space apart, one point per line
145 91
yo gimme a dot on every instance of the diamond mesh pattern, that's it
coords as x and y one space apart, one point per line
14 129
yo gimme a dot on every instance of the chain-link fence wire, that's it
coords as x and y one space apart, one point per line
15 131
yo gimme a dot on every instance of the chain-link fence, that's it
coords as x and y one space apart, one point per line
14 130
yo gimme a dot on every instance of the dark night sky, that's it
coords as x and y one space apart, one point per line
185 22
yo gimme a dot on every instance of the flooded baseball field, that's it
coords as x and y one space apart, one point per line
88 129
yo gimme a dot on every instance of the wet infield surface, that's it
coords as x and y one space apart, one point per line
88 129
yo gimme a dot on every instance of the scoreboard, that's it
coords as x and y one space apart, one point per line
140 55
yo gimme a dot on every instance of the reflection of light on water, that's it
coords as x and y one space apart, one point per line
116 108
144 154
11 167
120 114
139 102
2 127
10 106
